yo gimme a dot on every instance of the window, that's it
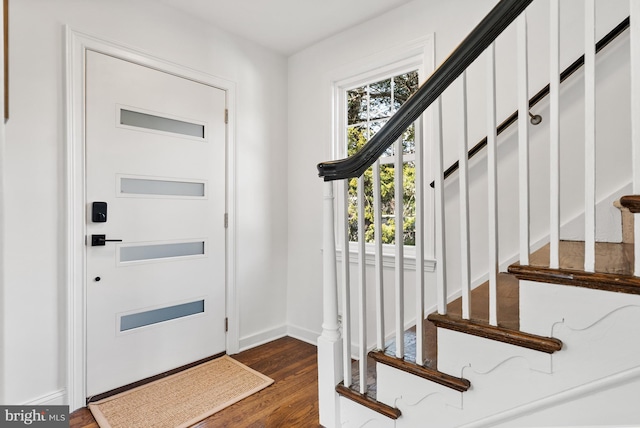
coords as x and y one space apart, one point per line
368 108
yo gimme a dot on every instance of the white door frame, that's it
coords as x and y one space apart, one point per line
76 45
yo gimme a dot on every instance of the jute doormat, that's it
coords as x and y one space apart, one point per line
182 399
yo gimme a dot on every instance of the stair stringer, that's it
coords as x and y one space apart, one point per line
513 388
578 408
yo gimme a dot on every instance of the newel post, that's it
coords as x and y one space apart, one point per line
329 343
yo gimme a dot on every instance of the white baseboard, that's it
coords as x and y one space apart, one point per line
53 399
303 334
262 337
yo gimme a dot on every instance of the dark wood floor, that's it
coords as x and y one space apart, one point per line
292 400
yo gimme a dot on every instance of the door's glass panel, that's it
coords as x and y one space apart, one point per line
141 186
141 319
160 251
158 123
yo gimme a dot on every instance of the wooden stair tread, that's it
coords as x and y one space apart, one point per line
631 202
372 379
613 269
424 372
367 401
508 317
429 344
501 334
508 299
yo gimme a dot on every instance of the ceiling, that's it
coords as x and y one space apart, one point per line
286 26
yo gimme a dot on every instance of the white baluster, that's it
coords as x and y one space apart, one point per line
590 137
441 273
492 172
346 286
419 243
399 238
362 289
635 124
554 137
463 150
523 137
377 220
329 344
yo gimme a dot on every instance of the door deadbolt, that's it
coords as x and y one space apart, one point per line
100 240
99 212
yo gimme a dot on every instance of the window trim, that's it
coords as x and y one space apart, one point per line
388 256
417 55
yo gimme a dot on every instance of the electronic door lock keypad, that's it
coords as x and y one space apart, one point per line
99 212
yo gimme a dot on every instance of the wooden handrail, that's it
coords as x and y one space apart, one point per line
500 17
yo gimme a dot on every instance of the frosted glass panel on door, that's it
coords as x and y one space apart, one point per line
140 186
141 319
160 251
159 123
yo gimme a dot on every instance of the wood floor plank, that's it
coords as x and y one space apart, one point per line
292 401
82 418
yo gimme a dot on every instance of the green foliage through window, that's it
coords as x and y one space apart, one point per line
369 107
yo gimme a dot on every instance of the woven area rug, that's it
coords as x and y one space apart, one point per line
182 399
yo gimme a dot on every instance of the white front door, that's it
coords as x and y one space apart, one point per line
155 179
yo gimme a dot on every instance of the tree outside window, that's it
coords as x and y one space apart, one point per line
369 107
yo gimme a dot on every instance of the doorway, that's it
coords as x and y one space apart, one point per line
155 192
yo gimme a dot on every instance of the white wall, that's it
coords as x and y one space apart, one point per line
34 305
613 140
312 71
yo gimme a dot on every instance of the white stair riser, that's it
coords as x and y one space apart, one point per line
457 351
354 415
604 348
544 305
393 383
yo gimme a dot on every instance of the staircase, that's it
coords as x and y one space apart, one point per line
556 351
572 340
553 340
